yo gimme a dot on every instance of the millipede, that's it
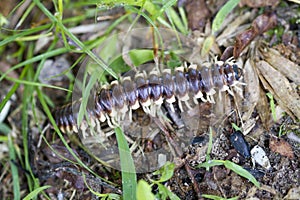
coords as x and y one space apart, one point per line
149 91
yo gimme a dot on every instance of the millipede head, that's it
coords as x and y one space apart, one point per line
229 74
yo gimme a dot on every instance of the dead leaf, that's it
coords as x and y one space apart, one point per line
57 153
285 66
264 22
227 53
198 13
248 125
264 97
293 193
251 90
263 109
232 28
280 88
268 189
242 41
261 24
289 51
282 147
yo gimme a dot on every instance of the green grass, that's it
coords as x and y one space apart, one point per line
216 25
129 180
272 106
29 65
144 190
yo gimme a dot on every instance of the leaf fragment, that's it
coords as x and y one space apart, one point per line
252 89
143 191
288 68
282 147
280 87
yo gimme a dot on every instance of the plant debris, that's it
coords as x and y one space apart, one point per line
282 147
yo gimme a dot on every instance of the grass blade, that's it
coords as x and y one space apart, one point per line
127 167
221 15
232 166
211 163
35 192
53 53
241 171
14 169
23 33
59 133
74 38
272 106
208 196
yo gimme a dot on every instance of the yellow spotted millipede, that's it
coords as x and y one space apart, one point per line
149 91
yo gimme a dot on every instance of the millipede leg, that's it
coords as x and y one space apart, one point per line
150 90
109 121
188 105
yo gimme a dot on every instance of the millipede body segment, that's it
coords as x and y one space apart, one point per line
112 102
